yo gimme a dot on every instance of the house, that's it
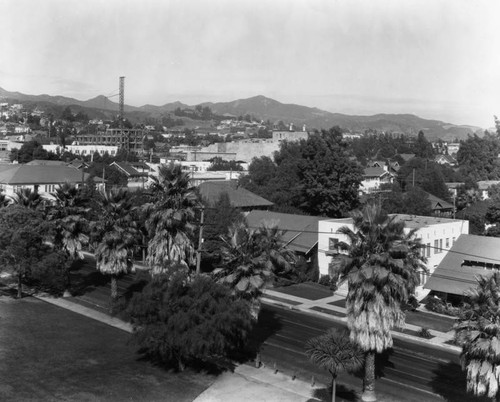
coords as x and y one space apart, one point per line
406 157
76 163
373 178
137 173
441 207
437 235
239 197
300 231
41 178
453 187
445 160
484 187
471 256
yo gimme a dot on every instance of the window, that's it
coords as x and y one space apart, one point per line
428 249
436 246
447 243
333 244
440 245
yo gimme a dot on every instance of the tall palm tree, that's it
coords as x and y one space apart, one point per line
70 223
335 352
171 220
249 259
115 235
381 267
478 329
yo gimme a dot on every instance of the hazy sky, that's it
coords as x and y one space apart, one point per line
438 59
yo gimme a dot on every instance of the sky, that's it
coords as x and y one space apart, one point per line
439 59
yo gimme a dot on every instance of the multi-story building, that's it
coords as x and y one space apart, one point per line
130 139
436 234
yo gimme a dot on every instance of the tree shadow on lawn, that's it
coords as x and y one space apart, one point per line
451 383
215 366
84 280
382 360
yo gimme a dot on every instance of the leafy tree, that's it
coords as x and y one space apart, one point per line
334 351
423 148
182 321
315 176
249 258
67 114
413 202
116 237
220 164
21 242
478 157
171 222
29 151
381 267
425 174
476 215
478 330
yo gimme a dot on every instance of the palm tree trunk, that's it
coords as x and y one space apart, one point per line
114 293
334 387
19 286
369 379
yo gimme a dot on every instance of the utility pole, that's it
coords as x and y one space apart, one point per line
200 241
413 177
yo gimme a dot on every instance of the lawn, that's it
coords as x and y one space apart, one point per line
307 290
51 354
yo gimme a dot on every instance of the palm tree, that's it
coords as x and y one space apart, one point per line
335 352
171 219
70 223
115 235
249 258
381 267
478 329
28 198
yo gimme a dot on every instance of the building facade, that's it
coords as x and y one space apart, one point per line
130 139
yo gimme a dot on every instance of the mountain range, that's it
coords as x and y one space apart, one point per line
263 108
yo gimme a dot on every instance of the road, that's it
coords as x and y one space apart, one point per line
409 372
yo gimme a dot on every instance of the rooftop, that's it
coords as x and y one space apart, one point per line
301 231
17 174
239 197
469 257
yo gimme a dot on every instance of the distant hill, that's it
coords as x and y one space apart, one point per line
265 109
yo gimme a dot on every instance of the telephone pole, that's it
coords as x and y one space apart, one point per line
200 241
121 101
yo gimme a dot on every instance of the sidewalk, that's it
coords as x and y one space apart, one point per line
333 307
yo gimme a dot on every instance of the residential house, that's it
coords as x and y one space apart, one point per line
42 178
441 207
239 197
300 231
437 235
471 256
137 173
485 186
444 159
373 178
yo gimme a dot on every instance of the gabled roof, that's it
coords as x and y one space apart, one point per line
438 203
446 159
17 174
375 172
407 157
239 197
301 231
467 259
44 162
128 169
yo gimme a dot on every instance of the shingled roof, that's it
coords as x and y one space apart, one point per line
17 174
239 197
301 231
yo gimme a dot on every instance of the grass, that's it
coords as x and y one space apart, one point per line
307 290
49 353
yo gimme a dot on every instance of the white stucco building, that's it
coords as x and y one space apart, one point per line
436 234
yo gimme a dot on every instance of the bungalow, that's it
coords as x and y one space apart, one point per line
137 173
470 256
300 231
239 197
41 178
441 207
445 160
373 178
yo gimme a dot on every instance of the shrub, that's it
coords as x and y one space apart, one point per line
325 280
424 333
181 321
49 275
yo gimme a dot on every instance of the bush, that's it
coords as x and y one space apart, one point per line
303 271
326 280
437 305
181 321
50 274
424 333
